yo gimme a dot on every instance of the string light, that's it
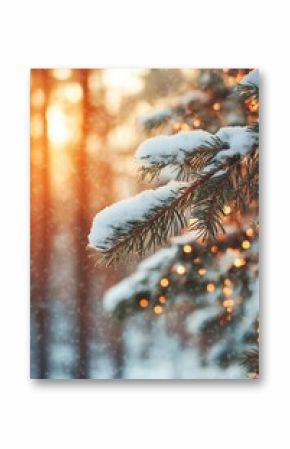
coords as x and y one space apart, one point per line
201 271
249 232
164 282
143 303
187 249
228 282
227 210
158 310
210 287
196 260
228 303
180 269
245 244
162 299
216 107
239 262
196 122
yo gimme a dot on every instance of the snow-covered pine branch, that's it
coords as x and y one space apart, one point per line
211 165
187 152
140 223
191 151
144 222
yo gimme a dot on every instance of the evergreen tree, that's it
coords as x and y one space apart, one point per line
208 275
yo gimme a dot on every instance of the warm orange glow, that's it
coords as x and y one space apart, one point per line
202 271
143 303
58 130
227 210
187 248
162 299
245 244
216 107
73 92
214 249
210 287
158 310
36 126
37 98
164 282
239 262
62 74
180 269
196 260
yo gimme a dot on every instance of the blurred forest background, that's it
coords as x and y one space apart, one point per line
85 127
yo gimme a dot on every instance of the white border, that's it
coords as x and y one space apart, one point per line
143 414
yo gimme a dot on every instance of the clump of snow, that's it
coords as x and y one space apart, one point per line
240 141
121 217
173 149
252 78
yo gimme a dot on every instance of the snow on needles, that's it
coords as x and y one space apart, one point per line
173 149
120 218
240 139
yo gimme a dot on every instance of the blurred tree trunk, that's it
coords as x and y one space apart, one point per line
83 227
40 223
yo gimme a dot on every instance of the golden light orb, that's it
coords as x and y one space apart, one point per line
227 210
164 282
250 232
216 107
245 244
143 303
162 299
202 271
180 269
210 287
228 303
187 248
239 262
158 310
